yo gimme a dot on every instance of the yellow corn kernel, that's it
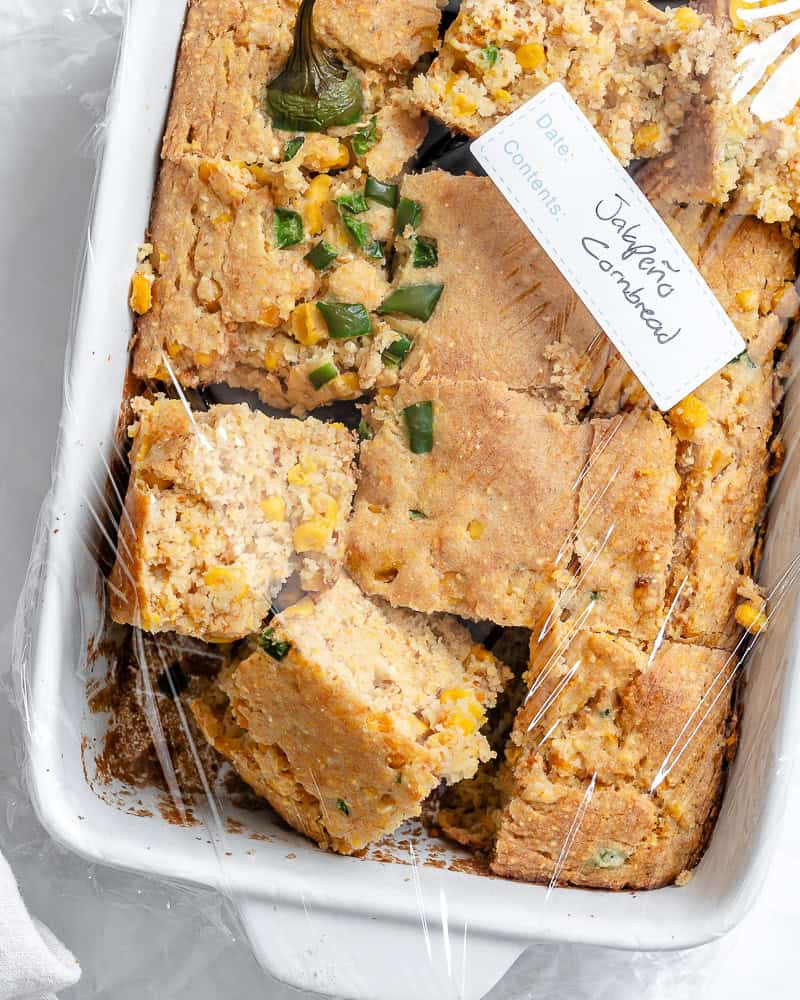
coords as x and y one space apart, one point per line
303 609
173 348
475 530
530 56
222 219
452 80
328 159
750 618
747 298
687 19
195 541
300 474
646 136
462 721
325 506
463 105
269 316
259 173
451 695
274 508
203 359
272 358
347 384
502 95
141 298
318 191
229 577
689 415
307 325
206 169
313 535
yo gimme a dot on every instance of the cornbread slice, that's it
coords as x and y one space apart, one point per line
221 508
229 304
506 313
724 429
353 713
231 50
626 525
632 68
742 138
482 525
615 762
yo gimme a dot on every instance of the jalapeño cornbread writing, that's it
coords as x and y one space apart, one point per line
345 747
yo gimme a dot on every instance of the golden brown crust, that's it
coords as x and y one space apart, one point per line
494 537
506 313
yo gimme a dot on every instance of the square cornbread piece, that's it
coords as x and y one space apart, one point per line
632 68
225 301
626 526
741 140
505 313
221 508
352 712
615 762
482 524
232 49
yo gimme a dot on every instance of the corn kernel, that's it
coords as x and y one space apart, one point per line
318 191
313 535
228 577
646 136
300 474
272 358
463 105
750 618
332 158
206 169
326 507
452 80
274 508
269 315
173 348
259 173
141 299
307 325
203 359
747 299
687 19
502 95
464 722
303 609
475 530
195 541
347 385
689 415
222 219
530 56
451 695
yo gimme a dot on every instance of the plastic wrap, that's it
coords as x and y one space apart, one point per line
649 733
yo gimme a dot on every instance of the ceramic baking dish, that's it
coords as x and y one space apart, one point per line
376 929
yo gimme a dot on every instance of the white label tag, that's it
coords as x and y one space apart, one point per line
610 244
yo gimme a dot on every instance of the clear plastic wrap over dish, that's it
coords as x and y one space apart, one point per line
386 545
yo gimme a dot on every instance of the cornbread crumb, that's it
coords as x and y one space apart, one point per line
198 553
367 710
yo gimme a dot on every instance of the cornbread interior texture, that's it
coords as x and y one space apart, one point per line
739 145
632 68
614 764
221 508
369 708
488 543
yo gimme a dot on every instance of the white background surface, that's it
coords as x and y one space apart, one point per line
134 939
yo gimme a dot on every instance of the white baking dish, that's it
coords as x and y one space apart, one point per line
350 927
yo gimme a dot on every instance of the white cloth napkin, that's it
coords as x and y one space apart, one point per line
34 964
